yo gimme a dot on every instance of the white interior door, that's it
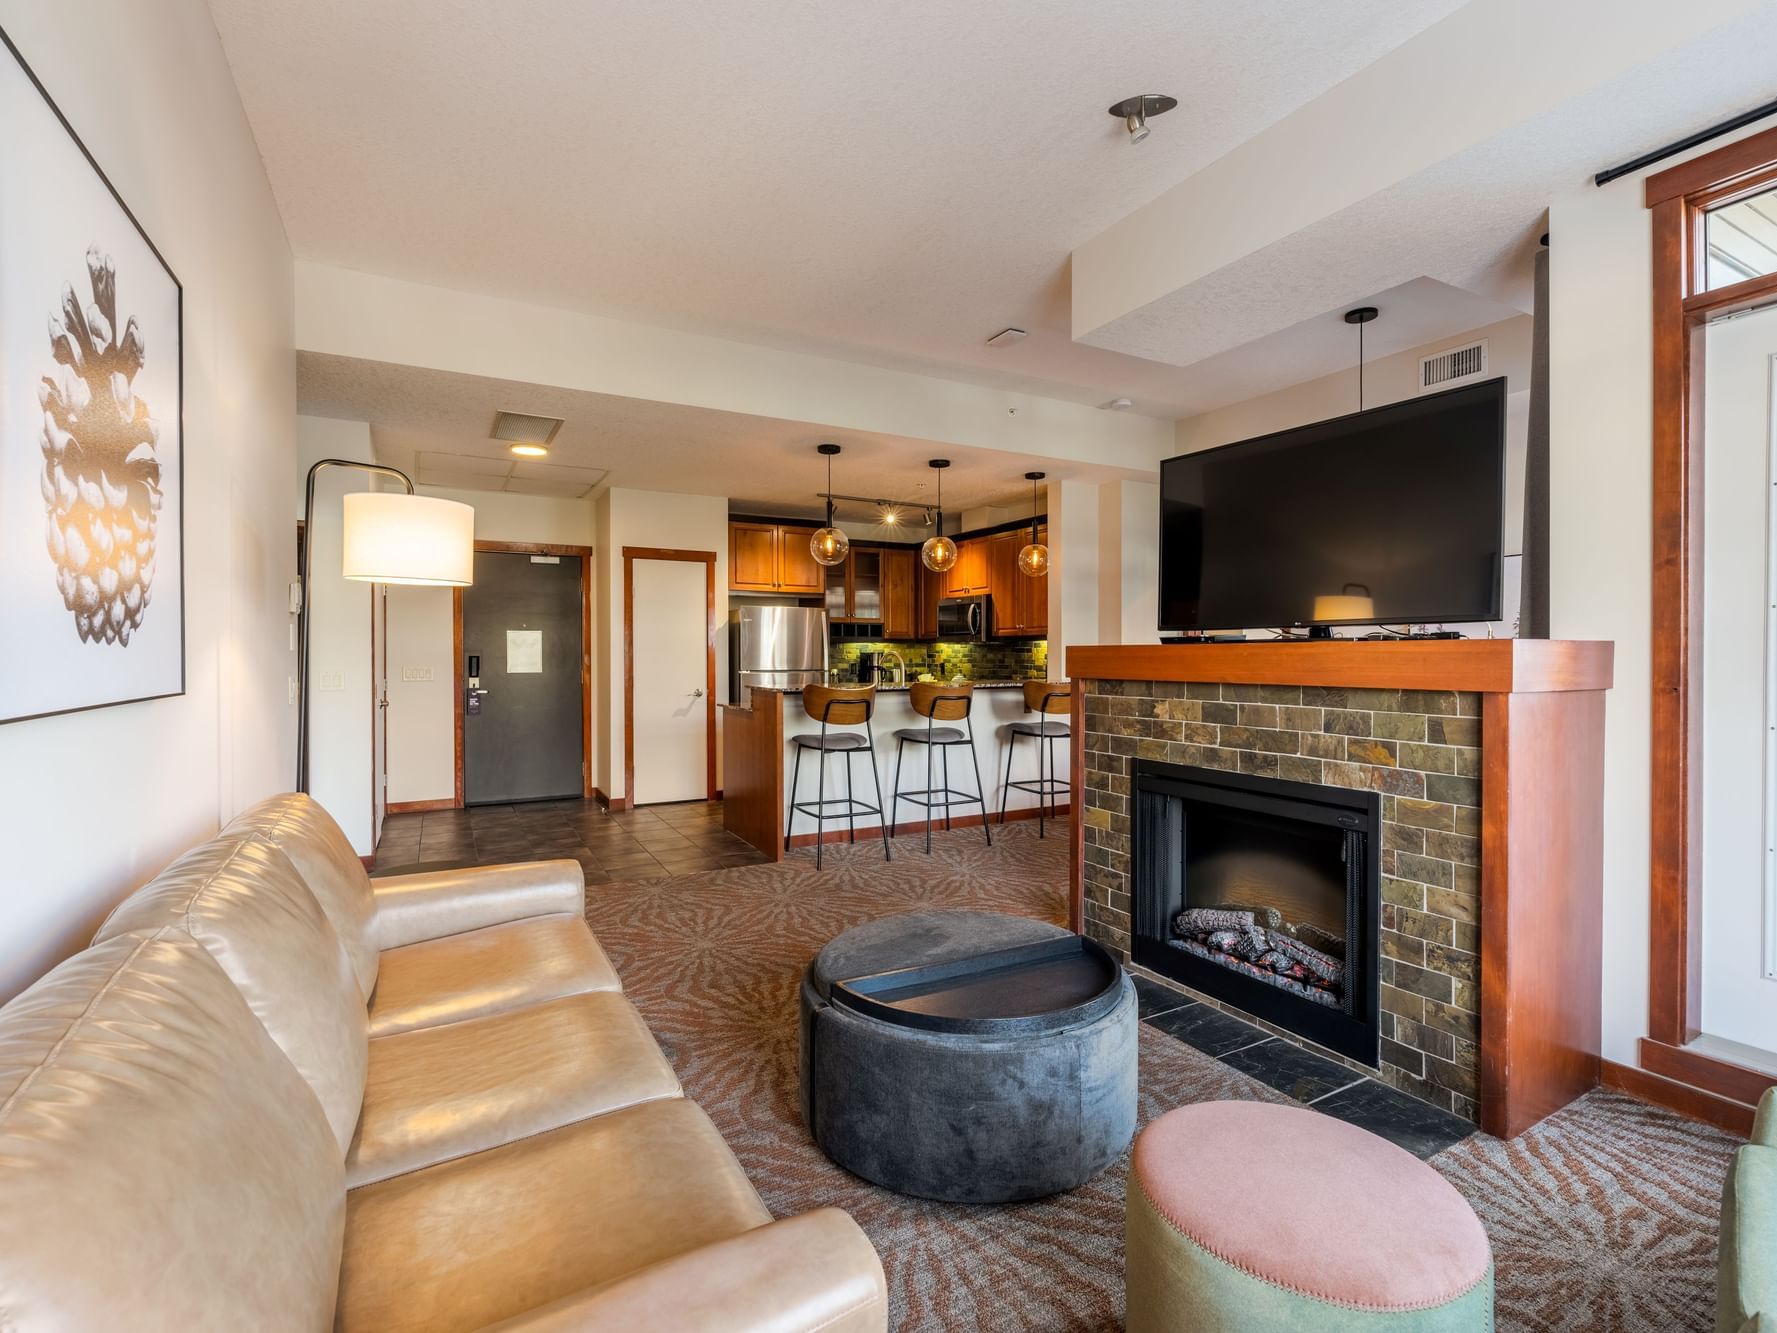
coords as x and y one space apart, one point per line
1740 684
670 641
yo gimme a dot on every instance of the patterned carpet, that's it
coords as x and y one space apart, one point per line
1602 1218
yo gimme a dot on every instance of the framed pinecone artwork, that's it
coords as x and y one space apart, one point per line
92 595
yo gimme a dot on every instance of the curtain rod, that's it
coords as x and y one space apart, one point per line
1689 141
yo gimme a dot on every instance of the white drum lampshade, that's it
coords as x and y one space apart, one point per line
391 537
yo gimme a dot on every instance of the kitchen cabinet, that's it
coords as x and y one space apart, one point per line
1020 602
900 592
929 587
968 576
854 591
773 557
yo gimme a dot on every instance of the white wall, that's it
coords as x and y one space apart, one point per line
92 804
1074 588
646 518
1601 497
341 692
1129 562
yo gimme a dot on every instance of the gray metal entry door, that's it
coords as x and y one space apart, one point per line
522 733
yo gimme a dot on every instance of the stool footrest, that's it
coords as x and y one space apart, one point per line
818 809
934 796
1043 786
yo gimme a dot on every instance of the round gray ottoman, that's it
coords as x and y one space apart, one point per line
1037 1099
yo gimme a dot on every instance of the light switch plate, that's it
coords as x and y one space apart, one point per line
333 680
416 673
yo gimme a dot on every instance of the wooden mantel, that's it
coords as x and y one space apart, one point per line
1542 825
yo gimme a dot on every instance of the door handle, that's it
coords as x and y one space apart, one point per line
697 693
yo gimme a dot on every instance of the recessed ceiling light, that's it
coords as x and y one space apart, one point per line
1120 404
1005 337
530 451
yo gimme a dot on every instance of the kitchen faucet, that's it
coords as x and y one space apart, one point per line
900 664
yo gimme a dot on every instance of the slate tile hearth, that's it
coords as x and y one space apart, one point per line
1332 1088
611 846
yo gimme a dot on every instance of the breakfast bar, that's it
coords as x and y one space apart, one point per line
759 757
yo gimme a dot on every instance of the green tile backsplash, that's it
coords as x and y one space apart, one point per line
1019 659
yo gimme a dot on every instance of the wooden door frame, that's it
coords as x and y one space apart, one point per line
459 678
631 554
1682 306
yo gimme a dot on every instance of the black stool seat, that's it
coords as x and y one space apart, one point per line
933 735
1038 728
839 740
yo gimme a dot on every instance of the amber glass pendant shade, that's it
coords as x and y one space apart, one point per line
938 554
1033 559
829 545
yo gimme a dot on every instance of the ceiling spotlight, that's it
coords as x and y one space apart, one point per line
1120 404
1134 112
530 451
888 514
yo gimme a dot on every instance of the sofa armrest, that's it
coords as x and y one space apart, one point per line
1746 1271
427 906
1764 1121
815 1271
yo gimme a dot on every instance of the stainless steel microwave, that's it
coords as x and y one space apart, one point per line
965 619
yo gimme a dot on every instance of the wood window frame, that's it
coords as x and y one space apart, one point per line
460 680
631 554
1679 198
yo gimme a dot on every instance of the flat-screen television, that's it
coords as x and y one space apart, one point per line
1389 516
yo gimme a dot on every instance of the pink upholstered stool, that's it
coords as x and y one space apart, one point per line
1243 1216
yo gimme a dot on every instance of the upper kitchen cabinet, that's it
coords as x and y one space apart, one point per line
773 557
854 591
900 598
1020 602
968 577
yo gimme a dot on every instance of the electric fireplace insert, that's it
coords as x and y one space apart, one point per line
1262 893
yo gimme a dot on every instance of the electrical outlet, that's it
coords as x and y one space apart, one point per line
416 673
333 680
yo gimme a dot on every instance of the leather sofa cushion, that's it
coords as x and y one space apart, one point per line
298 826
244 902
489 971
438 1093
484 1238
434 903
164 1164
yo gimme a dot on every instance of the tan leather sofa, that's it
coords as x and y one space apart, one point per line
273 1095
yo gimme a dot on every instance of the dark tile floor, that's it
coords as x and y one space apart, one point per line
1327 1086
650 843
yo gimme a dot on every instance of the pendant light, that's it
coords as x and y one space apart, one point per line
829 545
1361 316
939 552
1034 558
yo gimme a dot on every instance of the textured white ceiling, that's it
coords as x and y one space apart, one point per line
894 182
435 425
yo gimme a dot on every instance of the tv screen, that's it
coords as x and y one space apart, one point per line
1390 516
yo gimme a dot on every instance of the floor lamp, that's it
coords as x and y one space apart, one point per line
390 537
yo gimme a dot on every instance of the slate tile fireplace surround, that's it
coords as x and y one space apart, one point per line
1474 772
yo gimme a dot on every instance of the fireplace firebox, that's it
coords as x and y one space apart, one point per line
1262 893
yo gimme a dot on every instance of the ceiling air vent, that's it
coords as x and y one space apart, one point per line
1452 367
524 428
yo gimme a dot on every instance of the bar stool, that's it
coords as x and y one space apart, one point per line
938 702
837 708
1042 697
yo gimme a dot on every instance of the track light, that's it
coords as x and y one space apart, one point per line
1135 111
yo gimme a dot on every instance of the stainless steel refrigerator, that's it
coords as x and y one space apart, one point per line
784 647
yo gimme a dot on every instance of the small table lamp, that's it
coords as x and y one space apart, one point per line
389 537
1351 603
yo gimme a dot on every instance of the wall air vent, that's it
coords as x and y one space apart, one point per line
524 428
1453 367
